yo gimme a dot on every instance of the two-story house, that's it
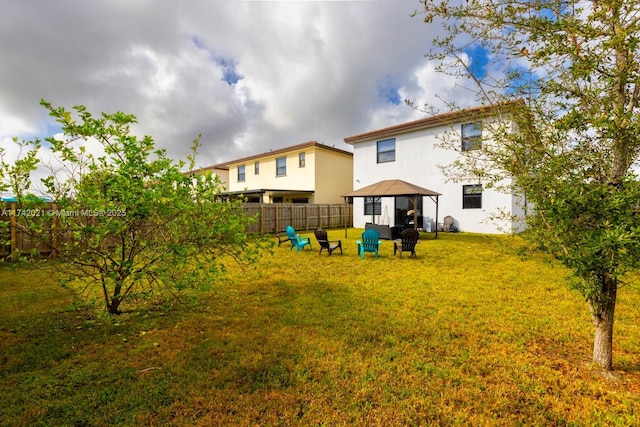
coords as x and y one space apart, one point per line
414 152
304 173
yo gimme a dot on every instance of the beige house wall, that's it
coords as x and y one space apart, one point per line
224 177
296 178
334 176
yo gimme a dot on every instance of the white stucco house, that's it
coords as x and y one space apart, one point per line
413 152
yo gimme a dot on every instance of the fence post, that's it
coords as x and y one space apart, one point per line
306 216
276 224
14 232
261 219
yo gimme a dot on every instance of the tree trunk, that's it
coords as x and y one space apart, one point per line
603 316
114 306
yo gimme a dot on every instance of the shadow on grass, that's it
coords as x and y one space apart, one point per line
468 330
264 344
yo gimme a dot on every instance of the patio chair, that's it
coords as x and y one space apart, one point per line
370 242
282 237
447 223
296 240
407 242
329 245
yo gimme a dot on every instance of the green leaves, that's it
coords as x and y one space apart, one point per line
131 220
574 130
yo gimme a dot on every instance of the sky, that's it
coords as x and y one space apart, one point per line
249 76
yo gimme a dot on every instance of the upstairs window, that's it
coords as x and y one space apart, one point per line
386 150
281 166
256 168
471 136
301 160
472 196
241 174
372 206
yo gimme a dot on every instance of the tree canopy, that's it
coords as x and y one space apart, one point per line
128 220
570 73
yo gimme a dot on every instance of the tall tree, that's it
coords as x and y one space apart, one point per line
569 71
129 220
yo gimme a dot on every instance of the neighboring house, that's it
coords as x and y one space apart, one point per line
305 173
413 152
221 170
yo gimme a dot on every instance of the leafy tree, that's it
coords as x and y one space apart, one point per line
569 71
15 177
130 220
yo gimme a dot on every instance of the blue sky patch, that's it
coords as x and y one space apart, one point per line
51 128
228 65
479 59
388 91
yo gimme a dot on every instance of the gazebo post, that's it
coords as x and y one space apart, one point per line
344 216
437 204
415 212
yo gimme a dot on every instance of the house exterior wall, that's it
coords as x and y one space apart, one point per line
223 174
417 160
296 178
333 176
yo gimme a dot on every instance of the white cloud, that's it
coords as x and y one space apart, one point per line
247 75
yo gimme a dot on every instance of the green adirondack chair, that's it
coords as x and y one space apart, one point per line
296 240
370 242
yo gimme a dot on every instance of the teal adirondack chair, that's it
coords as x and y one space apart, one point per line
370 242
296 240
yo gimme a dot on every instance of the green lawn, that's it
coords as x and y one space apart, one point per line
470 333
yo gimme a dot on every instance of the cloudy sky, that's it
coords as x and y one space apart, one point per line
248 75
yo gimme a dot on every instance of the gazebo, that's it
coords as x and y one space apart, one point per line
397 187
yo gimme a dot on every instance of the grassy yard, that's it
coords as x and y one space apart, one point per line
470 333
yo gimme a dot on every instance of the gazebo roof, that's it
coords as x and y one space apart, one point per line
392 187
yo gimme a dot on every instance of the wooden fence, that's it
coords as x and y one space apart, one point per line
272 218
14 238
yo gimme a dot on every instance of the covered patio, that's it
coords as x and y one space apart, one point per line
395 188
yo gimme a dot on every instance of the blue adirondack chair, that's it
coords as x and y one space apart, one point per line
370 242
296 240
